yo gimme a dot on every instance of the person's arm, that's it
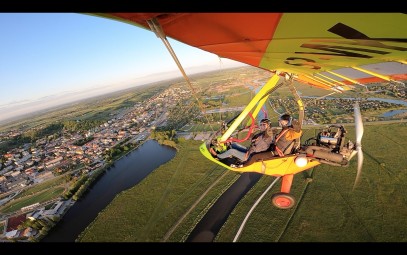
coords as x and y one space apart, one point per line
212 151
294 132
296 126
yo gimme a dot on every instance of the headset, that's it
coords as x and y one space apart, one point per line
285 117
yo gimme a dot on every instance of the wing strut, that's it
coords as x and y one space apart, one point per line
156 28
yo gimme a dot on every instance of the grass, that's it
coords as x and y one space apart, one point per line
41 186
39 197
38 192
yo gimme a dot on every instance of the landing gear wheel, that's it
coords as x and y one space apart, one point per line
282 200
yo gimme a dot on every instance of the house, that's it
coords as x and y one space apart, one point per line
54 209
35 214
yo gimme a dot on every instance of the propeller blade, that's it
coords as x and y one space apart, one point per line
352 154
359 134
360 164
358 125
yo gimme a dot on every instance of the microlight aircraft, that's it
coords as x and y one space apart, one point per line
336 52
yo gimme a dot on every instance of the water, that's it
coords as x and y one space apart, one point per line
126 172
392 113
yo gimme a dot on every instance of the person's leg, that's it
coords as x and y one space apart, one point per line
233 152
238 147
267 155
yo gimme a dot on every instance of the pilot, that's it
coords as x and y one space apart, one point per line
260 142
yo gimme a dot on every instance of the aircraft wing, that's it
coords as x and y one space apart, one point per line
331 51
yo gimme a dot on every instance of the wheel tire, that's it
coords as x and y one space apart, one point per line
283 200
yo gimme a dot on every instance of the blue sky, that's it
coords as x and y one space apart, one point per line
46 56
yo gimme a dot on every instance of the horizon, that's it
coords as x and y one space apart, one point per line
22 110
51 59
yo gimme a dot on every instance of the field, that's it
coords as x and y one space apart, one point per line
327 210
40 193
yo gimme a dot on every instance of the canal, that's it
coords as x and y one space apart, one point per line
124 174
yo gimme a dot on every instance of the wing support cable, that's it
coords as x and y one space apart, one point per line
301 111
157 29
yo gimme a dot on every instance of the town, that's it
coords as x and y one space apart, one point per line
47 158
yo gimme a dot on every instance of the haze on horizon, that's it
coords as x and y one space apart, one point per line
50 59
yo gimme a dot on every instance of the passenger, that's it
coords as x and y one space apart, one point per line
291 130
260 142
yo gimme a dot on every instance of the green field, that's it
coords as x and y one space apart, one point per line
39 197
327 209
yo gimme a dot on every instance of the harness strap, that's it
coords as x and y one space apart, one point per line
279 151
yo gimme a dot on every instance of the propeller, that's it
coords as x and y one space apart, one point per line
359 134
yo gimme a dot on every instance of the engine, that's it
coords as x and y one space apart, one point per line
330 147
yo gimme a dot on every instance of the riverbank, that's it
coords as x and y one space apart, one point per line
124 174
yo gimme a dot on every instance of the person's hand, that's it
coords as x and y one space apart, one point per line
296 125
246 156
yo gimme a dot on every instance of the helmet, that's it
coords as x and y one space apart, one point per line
286 117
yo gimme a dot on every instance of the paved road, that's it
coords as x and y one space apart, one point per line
207 229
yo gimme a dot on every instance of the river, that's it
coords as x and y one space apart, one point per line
124 174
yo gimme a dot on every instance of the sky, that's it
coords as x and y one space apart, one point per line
53 58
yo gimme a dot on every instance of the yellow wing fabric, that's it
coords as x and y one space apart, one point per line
331 51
